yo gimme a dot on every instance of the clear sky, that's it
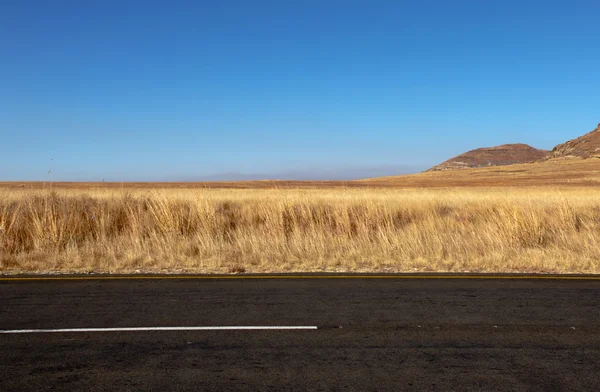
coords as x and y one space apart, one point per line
174 90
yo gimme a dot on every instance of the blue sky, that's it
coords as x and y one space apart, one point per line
148 90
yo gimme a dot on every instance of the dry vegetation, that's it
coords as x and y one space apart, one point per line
284 230
563 172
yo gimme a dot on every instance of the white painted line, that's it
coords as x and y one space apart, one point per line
138 329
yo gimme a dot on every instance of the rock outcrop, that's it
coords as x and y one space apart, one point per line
586 146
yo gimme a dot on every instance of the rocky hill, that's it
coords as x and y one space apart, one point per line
506 154
586 146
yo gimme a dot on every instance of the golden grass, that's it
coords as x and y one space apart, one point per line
284 230
564 172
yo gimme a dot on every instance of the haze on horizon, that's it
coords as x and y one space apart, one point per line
145 91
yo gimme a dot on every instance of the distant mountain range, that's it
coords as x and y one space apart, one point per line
586 146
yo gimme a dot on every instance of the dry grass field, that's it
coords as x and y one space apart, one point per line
331 228
560 172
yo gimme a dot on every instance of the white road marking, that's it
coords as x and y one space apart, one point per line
138 329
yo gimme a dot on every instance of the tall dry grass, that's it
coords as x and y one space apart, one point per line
493 230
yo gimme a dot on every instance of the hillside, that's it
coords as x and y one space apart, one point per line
506 154
551 173
586 146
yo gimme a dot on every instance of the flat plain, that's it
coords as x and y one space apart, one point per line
536 218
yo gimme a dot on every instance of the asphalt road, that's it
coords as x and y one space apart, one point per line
396 334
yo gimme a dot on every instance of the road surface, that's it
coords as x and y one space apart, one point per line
372 334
